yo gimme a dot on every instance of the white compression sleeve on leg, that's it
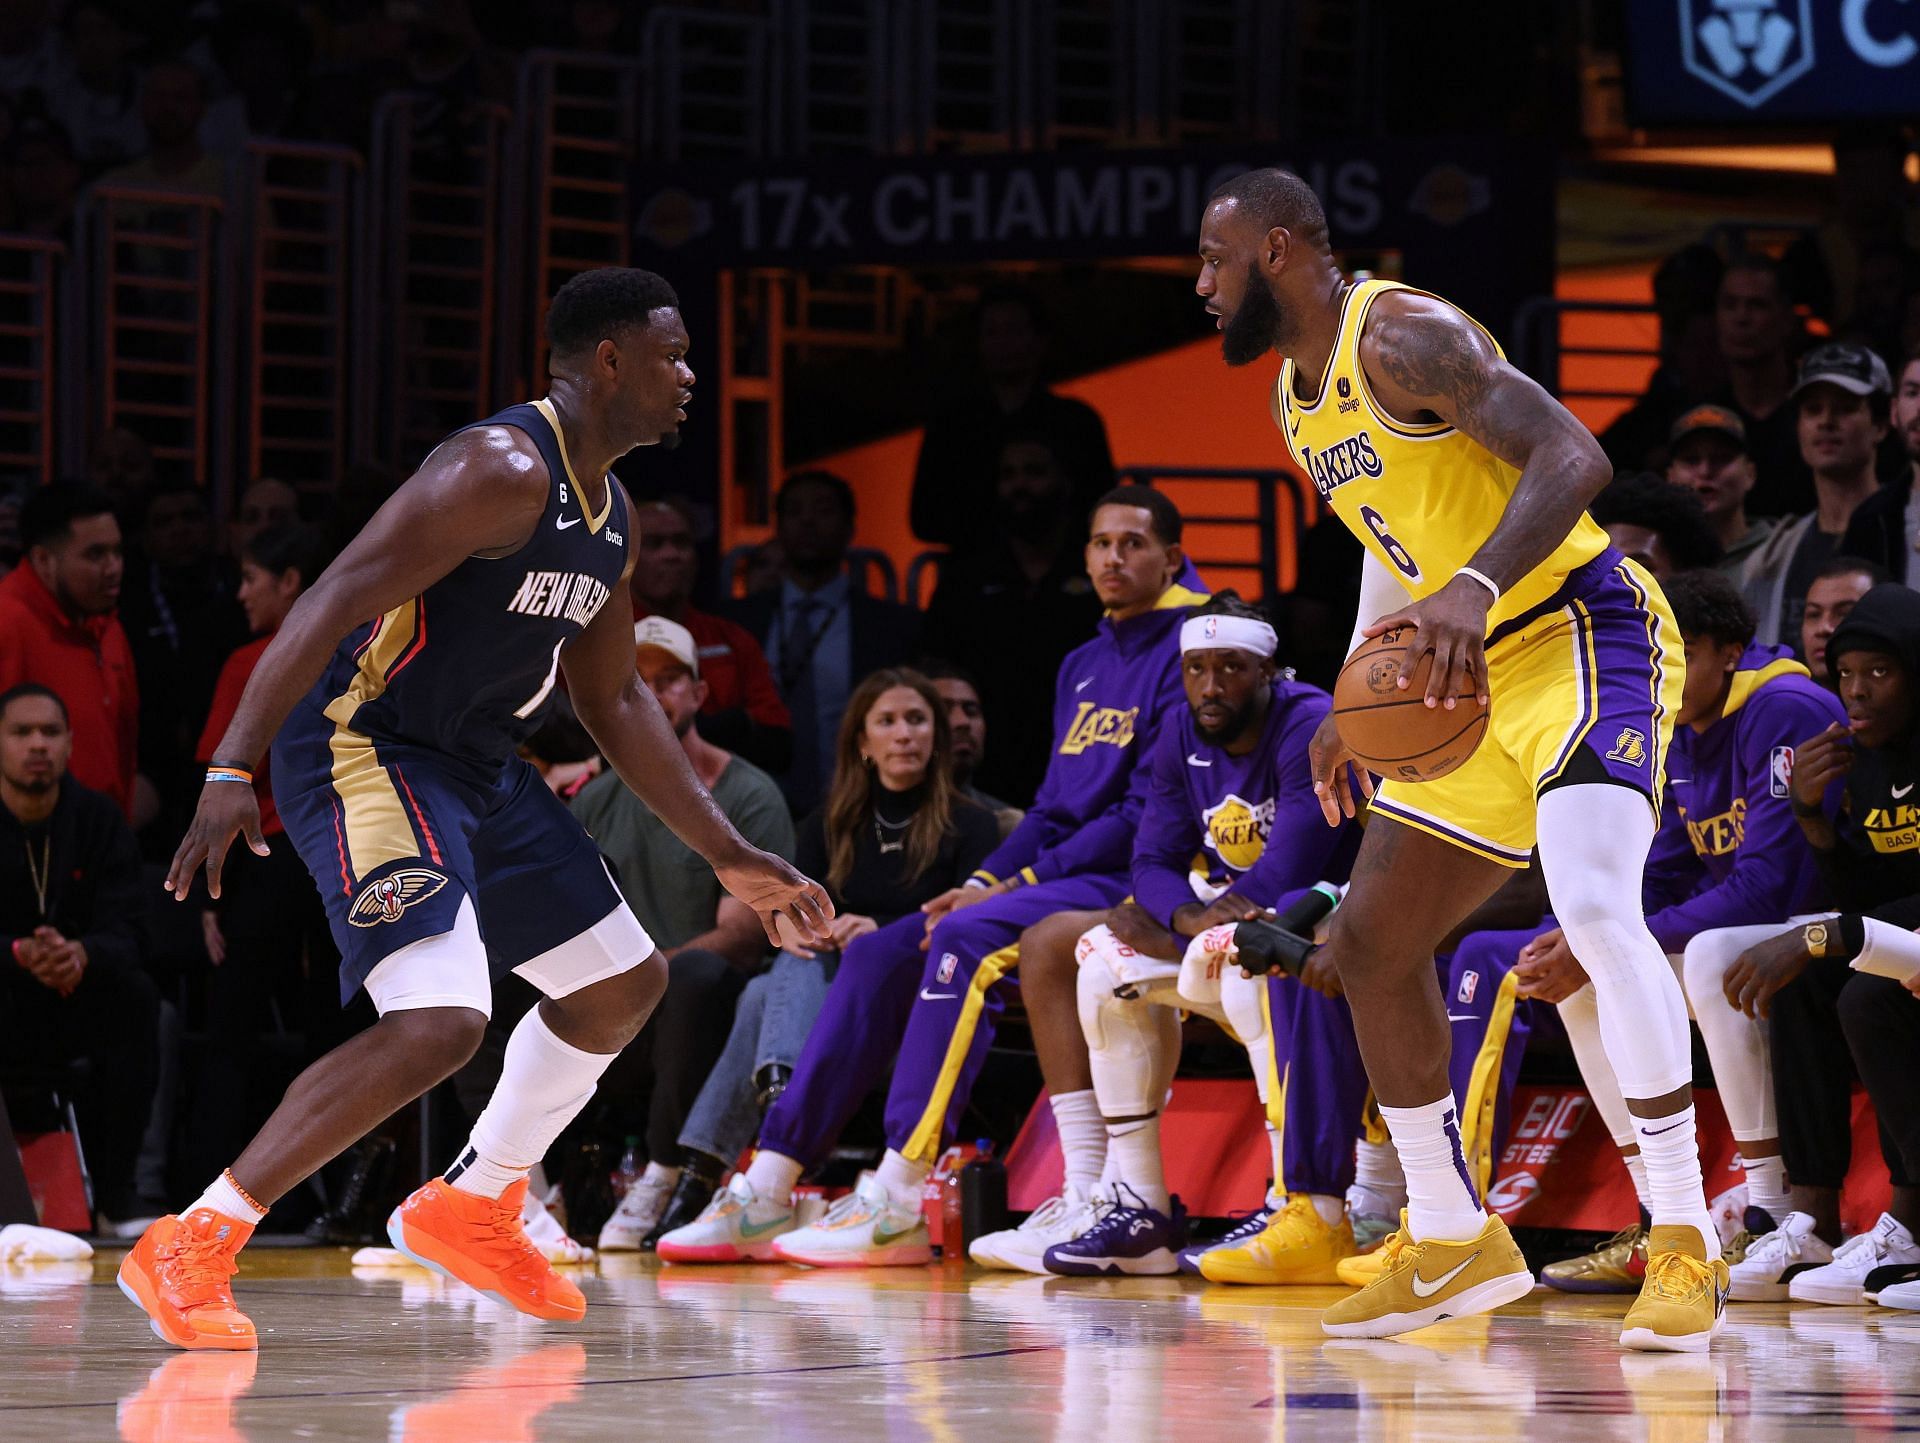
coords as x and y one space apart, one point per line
1580 1015
544 1082
1593 849
1736 1043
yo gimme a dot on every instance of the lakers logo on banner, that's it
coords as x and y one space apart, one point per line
385 899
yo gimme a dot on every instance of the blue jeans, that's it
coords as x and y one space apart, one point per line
770 1025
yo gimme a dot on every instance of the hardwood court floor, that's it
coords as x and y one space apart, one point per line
928 1353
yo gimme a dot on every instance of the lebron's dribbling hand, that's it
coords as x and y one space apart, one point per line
226 810
1452 624
1331 763
773 887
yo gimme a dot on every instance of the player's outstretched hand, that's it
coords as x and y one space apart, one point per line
774 887
1335 773
1452 624
226 810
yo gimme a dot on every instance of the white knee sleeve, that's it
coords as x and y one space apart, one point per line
1132 1044
1593 849
1736 1043
1580 1015
616 943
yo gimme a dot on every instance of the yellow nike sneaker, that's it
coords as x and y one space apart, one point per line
1684 1298
1619 1265
1296 1246
1424 1282
1362 1268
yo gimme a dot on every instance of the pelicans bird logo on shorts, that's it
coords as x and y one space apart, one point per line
1629 747
386 899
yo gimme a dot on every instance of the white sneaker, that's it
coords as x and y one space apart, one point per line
544 1229
1841 1280
1905 1296
736 1226
864 1229
1021 1249
639 1210
1761 1276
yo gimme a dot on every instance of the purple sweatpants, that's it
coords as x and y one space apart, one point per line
936 1009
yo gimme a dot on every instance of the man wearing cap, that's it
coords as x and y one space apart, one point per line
712 941
1709 456
1842 400
1887 525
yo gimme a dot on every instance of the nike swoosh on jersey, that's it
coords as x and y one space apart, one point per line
1195 761
1901 791
1083 685
926 996
1424 1289
1462 1017
560 523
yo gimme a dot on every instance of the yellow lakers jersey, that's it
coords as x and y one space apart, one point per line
1421 498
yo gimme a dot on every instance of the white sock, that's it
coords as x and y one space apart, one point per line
1440 1200
773 1176
903 1180
1767 1186
1331 1209
224 1198
1637 1170
1083 1138
544 1082
1676 1196
1135 1149
1376 1166
658 1174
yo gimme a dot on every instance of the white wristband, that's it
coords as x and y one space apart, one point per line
1481 577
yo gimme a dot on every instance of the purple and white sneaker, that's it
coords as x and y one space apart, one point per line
1128 1237
1189 1257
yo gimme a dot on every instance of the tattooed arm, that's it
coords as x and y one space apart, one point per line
1424 361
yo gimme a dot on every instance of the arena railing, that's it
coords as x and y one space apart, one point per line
709 84
1596 356
301 205
153 335
831 67
29 373
1242 527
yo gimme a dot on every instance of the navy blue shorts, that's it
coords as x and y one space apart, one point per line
398 836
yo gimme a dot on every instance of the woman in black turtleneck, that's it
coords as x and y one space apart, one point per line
893 833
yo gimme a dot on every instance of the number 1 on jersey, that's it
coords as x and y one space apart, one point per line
1398 554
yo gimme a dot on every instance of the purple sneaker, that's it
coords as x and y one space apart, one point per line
1189 1257
1129 1237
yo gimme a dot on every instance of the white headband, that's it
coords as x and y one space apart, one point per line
1234 633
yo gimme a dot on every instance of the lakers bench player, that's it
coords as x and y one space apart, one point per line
1467 484
399 687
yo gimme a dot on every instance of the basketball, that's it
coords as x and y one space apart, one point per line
1393 732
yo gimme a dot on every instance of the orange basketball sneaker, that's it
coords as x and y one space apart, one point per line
177 1275
481 1242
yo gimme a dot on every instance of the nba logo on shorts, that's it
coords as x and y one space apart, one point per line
1780 772
947 963
1469 984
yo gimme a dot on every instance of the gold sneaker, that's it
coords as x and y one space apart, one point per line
1619 1265
1427 1281
1362 1268
1684 1298
1296 1246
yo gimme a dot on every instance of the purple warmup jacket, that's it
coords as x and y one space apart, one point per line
1252 821
1111 699
1729 853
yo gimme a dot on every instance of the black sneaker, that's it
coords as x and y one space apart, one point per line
360 1214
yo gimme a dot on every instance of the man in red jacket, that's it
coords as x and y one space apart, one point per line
58 628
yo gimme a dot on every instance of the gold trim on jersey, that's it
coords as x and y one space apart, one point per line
375 822
1586 671
594 523
1289 372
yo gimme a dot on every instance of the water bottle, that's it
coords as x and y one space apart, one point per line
953 1238
983 1195
629 1170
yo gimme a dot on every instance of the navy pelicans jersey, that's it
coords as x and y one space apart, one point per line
1421 498
465 668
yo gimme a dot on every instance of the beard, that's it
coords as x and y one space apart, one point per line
1227 731
1257 327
